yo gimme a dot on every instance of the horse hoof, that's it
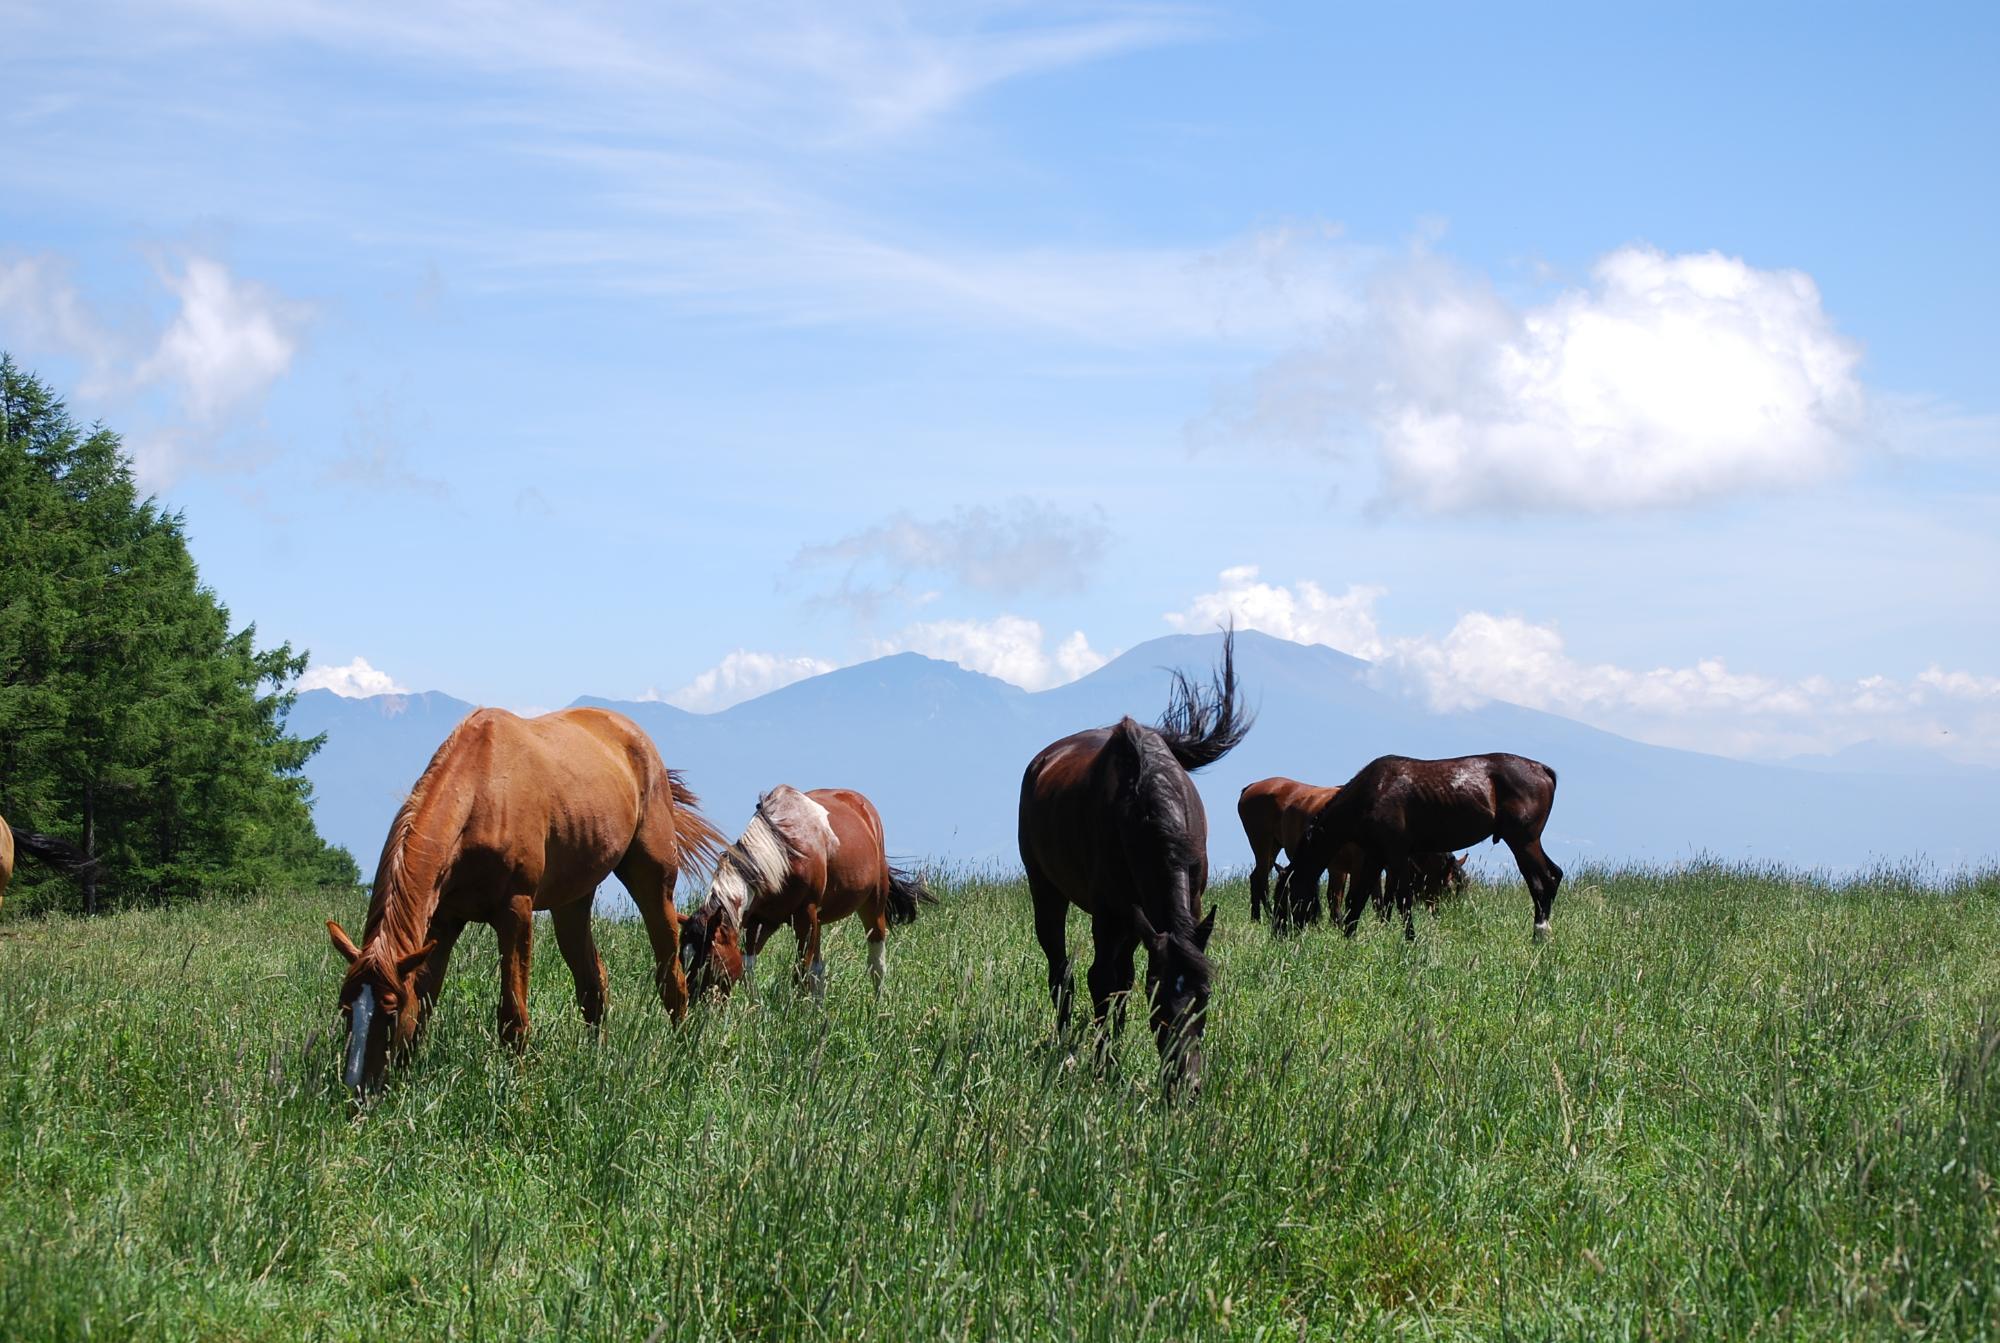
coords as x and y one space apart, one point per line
1541 932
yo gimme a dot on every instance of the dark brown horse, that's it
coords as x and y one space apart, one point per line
64 858
806 859
511 816
1396 807
1111 823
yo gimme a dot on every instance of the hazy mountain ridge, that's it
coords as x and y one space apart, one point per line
941 750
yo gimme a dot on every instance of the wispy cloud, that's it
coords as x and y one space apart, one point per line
741 675
1012 648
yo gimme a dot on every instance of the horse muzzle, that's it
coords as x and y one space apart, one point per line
361 1019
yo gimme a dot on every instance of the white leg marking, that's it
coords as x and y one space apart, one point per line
818 976
1542 932
750 972
878 962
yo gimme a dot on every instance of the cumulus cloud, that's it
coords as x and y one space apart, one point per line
740 676
1703 704
1304 612
1012 648
183 389
230 340
1020 546
1665 380
356 680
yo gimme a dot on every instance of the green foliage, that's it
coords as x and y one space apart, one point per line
1719 1104
133 722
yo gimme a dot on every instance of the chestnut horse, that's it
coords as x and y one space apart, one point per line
807 859
511 816
1111 823
1397 807
64 858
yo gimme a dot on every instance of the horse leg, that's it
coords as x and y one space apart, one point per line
878 943
1052 931
1405 893
1260 882
579 949
515 928
1543 877
430 979
755 935
1364 888
811 972
1110 984
650 883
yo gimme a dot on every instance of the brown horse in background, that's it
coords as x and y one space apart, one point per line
64 858
1397 807
1275 813
1111 823
806 859
514 815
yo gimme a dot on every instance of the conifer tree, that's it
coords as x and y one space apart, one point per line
133 721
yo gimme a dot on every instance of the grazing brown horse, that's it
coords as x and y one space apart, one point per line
511 816
807 859
64 858
1396 807
1111 823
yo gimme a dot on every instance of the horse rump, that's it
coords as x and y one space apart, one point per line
907 891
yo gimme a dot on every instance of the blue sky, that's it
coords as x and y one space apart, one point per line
1633 365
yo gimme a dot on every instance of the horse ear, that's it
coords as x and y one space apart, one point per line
342 943
410 960
1205 928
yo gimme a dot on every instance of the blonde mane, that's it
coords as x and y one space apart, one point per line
787 824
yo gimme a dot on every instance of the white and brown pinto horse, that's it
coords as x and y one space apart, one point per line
511 816
1111 823
806 859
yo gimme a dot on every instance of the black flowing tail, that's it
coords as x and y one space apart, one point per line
907 890
63 857
1203 724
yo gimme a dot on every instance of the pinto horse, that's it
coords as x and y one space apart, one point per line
64 858
1111 823
1396 808
807 859
514 815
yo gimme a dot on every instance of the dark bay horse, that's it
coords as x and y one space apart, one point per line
64 858
1111 823
806 859
511 816
1397 807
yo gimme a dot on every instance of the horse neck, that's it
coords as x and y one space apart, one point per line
423 845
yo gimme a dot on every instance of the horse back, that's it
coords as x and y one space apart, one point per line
859 863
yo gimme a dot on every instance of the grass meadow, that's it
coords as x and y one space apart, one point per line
1721 1103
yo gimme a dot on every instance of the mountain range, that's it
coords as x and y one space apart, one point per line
940 749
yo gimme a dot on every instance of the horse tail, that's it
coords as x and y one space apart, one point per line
907 891
1202 724
697 844
64 857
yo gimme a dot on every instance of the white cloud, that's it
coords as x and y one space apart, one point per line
1012 648
228 343
1665 380
1304 613
1020 546
741 675
356 680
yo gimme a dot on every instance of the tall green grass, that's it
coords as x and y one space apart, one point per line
1721 1103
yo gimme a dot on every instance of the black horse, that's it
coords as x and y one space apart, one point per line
1111 823
1397 807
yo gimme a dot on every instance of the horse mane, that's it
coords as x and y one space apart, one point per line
1203 724
787 823
398 920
